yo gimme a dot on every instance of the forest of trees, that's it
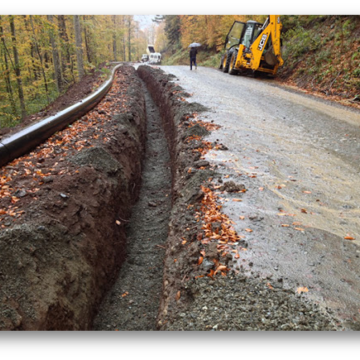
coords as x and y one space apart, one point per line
41 55
208 30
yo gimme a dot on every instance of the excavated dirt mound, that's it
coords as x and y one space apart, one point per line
62 237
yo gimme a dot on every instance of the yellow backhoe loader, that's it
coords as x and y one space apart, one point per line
252 47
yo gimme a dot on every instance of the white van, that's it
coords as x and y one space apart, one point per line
155 58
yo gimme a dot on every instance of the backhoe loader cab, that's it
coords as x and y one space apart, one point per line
253 47
242 33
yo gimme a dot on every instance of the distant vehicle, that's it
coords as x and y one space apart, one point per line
155 58
145 58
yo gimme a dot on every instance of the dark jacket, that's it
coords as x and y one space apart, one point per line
193 52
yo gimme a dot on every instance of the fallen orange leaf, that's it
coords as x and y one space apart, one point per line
285 225
211 273
248 230
200 260
302 289
178 294
220 268
241 217
269 286
304 211
237 200
349 238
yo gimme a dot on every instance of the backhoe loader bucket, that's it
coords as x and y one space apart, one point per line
270 57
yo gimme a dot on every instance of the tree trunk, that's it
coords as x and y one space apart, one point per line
7 73
56 60
66 60
123 38
78 43
87 44
17 67
129 36
37 48
35 68
114 38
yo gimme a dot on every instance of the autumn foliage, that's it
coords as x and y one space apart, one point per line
208 30
42 55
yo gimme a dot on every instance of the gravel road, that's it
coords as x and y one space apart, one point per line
298 157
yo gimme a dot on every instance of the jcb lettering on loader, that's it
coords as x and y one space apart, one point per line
262 42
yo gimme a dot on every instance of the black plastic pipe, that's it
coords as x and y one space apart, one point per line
28 138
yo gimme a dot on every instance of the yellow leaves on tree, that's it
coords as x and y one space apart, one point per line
208 30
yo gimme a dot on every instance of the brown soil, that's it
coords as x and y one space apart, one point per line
62 234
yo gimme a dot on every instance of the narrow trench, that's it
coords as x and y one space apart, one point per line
133 302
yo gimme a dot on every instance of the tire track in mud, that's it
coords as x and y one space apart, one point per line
133 302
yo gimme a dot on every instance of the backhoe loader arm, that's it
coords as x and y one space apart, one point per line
271 29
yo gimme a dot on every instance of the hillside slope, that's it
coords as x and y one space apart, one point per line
322 55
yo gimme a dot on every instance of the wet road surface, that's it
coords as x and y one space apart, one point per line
298 157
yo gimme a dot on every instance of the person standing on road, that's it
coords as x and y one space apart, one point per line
193 52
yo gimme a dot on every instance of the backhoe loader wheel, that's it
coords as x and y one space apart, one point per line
226 61
232 62
221 62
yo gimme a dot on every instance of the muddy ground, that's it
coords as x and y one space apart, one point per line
67 223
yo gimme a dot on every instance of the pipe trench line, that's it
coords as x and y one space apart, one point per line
28 138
